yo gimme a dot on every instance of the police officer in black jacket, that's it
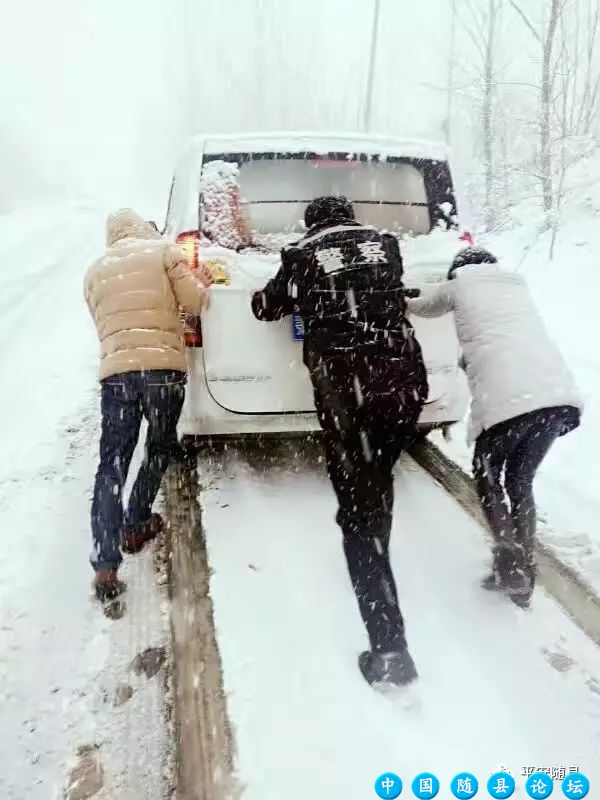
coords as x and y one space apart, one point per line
370 383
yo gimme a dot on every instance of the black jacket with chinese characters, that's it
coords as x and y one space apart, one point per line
345 280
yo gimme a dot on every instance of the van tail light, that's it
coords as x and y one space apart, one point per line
192 331
189 242
467 238
193 338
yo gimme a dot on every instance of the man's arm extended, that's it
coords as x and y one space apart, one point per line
435 303
278 298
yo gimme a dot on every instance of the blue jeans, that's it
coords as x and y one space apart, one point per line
158 396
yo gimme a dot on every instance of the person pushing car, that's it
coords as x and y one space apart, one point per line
134 293
523 399
369 380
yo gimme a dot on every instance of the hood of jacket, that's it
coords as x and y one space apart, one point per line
125 223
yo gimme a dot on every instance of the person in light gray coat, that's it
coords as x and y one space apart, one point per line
523 398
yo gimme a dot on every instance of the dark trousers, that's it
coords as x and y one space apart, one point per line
158 396
505 462
364 434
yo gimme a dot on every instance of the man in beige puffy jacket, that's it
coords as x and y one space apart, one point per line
134 294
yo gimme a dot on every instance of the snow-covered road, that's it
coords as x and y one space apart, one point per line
498 685
61 661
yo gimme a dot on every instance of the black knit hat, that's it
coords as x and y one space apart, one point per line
471 255
328 209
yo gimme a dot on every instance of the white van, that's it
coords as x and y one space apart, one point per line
236 200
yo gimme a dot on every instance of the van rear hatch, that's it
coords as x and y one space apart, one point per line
254 367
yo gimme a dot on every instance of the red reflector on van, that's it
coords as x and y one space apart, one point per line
193 339
192 331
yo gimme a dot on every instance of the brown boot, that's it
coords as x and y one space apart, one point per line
134 539
107 585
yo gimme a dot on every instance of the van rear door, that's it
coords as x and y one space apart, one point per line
254 367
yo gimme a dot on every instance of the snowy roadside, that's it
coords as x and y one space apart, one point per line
566 291
72 692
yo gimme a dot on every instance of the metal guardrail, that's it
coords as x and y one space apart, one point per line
562 582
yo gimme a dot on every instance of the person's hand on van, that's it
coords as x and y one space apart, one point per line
190 292
205 274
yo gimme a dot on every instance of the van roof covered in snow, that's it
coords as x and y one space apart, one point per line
318 142
182 210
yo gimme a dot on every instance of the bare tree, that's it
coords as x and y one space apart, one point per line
568 94
527 133
576 101
482 28
568 78
579 63
545 39
588 107
451 71
488 111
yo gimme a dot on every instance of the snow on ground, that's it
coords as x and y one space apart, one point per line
491 688
567 291
497 685
61 660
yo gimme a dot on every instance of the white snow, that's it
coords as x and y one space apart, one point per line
98 101
306 723
288 626
426 259
320 142
60 658
223 223
138 79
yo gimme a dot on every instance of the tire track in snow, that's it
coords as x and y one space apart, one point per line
204 739
289 633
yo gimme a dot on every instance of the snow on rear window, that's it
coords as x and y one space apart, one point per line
263 200
223 221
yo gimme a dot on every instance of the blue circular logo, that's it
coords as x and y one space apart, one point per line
388 785
501 784
575 785
539 785
425 785
464 785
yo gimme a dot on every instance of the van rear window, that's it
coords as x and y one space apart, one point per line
404 196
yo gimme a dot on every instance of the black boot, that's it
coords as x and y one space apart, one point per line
107 585
512 576
389 669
